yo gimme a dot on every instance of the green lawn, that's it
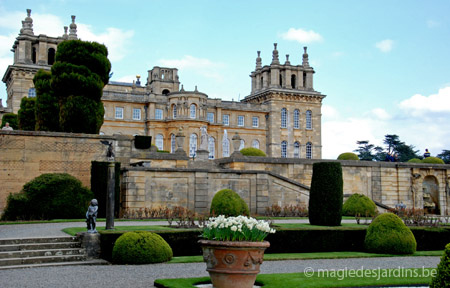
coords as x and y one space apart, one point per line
330 278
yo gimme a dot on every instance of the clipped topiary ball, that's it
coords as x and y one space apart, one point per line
433 160
229 203
348 156
253 152
388 234
442 278
414 160
141 247
358 204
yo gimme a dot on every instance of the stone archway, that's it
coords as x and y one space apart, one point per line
430 188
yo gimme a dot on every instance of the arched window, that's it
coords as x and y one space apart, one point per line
211 147
309 150
242 146
308 119
283 118
255 144
159 142
296 119
281 81
283 149
173 146
193 145
262 82
296 150
193 111
293 80
165 92
51 56
226 148
33 55
174 111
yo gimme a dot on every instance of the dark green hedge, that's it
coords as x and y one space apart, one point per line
12 119
326 239
99 178
326 194
142 142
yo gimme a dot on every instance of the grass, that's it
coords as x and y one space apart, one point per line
74 230
313 255
329 278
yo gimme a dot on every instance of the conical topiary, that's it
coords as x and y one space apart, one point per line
442 278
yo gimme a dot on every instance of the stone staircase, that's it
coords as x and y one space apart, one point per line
44 251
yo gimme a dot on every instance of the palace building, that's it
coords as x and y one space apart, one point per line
281 115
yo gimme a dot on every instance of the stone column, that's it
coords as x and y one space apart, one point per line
110 196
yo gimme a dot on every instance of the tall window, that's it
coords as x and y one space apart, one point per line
242 146
226 119
158 114
308 119
31 93
51 56
296 119
174 112
309 150
226 148
159 142
173 146
210 117
193 145
119 113
293 80
283 118
211 146
296 150
283 149
255 144
240 120
136 114
255 121
193 111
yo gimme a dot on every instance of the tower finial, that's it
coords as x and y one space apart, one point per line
287 60
27 24
258 60
73 29
305 62
275 59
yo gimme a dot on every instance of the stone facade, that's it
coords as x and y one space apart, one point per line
281 116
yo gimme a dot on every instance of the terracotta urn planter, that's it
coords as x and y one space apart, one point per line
233 264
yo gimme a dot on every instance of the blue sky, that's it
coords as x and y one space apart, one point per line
384 65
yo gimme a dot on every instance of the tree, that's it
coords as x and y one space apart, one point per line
404 152
47 106
366 150
26 117
79 74
445 156
11 118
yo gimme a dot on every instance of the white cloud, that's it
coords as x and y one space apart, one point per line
385 45
380 114
419 105
201 66
116 40
302 36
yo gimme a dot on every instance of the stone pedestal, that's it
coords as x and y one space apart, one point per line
91 243
202 155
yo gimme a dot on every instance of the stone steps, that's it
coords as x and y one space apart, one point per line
43 252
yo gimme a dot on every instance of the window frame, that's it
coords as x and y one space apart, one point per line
283 118
134 114
239 118
227 117
296 119
309 150
159 114
159 141
116 110
210 117
284 149
308 120
193 111
253 121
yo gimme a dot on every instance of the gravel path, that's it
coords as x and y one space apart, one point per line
144 275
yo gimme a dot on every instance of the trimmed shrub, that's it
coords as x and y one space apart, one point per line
229 203
12 119
17 207
388 234
442 278
358 204
25 115
253 152
348 156
414 160
57 196
433 160
326 194
142 142
141 247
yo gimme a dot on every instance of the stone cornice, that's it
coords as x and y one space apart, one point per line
285 94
